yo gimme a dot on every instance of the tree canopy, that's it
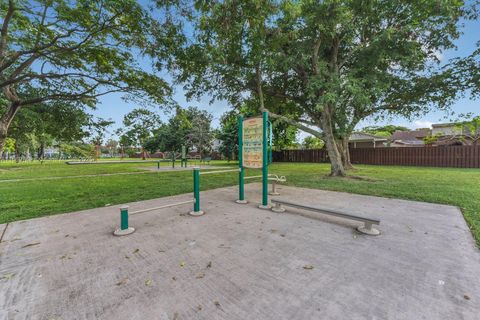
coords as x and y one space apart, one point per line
330 63
77 51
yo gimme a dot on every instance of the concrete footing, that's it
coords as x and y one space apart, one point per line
241 201
196 213
369 231
124 232
278 209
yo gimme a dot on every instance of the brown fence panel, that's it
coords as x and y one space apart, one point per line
447 156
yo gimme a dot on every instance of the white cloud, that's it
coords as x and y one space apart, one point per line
422 124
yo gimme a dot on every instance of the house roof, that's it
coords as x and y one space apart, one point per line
443 125
362 136
412 135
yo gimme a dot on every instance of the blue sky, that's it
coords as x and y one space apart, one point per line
113 107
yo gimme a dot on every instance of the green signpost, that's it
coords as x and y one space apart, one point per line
253 138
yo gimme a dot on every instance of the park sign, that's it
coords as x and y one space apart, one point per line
253 143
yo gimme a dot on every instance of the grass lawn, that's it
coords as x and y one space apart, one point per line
28 199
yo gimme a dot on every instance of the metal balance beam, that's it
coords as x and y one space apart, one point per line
125 229
367 228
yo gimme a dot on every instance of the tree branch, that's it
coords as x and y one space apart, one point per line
4 32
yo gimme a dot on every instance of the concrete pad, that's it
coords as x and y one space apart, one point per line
240 262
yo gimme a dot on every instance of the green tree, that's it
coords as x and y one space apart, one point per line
190 127
470 129
311 142
53 50
138 128
333 63
97 128
228 134
384 131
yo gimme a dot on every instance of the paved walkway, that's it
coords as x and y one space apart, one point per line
240 262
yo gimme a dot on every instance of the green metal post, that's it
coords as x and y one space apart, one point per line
124 228
196 189
123 218
241 173
265 161
158 164
173 159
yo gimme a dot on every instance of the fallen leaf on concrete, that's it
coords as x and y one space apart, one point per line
200 275
199 307
282 235
127 257
31 244
174 278
308 267
466 297
209 264
182 264
217 304
123 281
148 282
63 257
7 276
67 235
136 250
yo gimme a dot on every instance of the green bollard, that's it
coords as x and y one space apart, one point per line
265 204
124 228
196 193
124 218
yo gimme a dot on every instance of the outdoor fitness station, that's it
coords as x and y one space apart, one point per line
255 152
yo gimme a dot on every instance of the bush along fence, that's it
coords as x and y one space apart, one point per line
447 156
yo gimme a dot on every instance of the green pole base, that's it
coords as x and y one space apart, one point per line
196 213
124 232
265 207
241 201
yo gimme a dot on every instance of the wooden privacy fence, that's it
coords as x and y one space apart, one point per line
445 156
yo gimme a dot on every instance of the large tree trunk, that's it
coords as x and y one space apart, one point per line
345 153
17 153
3 137
337 168
5 121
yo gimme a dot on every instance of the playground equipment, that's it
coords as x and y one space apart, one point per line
254 137
367 228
